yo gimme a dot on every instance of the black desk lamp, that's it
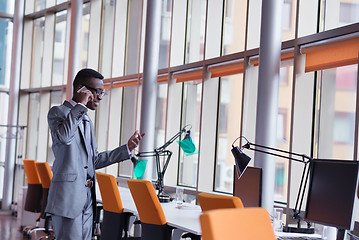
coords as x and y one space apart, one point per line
242 161
162 152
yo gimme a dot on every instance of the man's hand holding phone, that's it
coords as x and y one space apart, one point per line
83 95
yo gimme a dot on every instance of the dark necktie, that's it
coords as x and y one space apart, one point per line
88 141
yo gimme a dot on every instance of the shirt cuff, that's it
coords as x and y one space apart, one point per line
128 150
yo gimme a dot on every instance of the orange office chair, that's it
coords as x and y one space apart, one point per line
34 192
153 220
209 201
115 220
237 224
45 173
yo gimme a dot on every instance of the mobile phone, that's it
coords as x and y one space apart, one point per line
81 89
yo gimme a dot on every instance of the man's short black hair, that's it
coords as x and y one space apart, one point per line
84 75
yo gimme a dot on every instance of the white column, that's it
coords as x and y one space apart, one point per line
75 44
267 101
13 105
150 70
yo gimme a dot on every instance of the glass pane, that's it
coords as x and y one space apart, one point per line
114 124
160 127
229 123
165 33
143 34
60 1
56 99
283 129
4 99
337 112
288 19
178 32
6 29
102 123
254 22
58 76
7 6
37 52
191 111
308 18
85 35
195 30
214 28
128 124
339 13
39 5
133 36
34 112
107 37
234 26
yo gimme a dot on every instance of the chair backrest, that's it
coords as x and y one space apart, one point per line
111 199
146 201
45 174
31 172
230 224
34 187
209 201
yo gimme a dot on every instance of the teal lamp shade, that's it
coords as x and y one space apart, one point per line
140 168
188 146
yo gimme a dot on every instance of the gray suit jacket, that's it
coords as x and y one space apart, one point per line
67 194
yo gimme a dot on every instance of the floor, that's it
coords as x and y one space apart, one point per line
10 230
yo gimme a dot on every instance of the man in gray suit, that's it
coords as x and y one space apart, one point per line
71 200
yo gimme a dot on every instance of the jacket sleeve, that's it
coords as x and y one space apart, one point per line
106 158
64 126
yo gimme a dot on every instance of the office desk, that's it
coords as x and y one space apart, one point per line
186 218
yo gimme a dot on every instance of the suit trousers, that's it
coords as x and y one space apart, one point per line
79 227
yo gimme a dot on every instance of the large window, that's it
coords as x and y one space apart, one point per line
234 26
229 123
339 13
5 54
165 33
195 30
32 132
7 6
4 98
128 124
55 99
336 114
107 36
58 68
37 52
85 35
208 68
191 113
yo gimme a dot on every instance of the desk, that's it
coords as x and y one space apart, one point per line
186 218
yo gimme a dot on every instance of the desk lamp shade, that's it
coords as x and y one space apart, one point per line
241 159
140 168
187 145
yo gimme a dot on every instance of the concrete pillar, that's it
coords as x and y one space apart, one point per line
150 71
268 88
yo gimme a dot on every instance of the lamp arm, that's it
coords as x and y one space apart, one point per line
168 154
163 147
305 174
303 156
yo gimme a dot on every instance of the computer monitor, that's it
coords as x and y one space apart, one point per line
332 193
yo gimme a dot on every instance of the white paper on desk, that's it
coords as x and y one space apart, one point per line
291 234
